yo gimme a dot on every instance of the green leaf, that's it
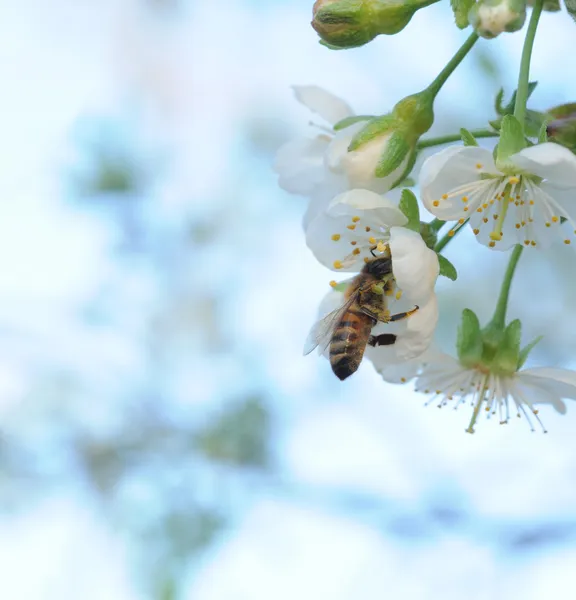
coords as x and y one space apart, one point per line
447 268
571 8
469 340
377 126
467 138
526 351
409 206
534 121
543 133
509 108
508 352
511 140
461 8
351 120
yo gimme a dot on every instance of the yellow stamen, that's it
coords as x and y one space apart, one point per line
464 199
381 247
353 243
355 219
336 237
513 180
436 203
478 166
566 241
356 251
555 219
491 244
337 264
372 240
333 283
444 196
398 294
367 229
351 227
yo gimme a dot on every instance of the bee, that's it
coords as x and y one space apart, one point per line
348 329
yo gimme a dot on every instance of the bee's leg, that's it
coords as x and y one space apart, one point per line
384 339
372 251
402 315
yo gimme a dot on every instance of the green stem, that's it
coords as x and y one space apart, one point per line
524 75
455 137
499 319
445 240
437 84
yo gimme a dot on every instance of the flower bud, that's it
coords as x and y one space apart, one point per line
562 128
386 145
353 23
491 17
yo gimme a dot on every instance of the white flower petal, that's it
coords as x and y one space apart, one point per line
322 102
454 173
550 161
532 391
565 204
404 372
414 336
300 164
338 147
415 266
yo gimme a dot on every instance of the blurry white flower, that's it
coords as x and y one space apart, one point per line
520 207
320 167
345 231
448 381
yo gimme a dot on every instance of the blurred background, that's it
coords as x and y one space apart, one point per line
161 435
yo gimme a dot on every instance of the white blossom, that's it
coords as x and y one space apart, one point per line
320 167
448 382
520 207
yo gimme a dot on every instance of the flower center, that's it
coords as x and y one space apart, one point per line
359 238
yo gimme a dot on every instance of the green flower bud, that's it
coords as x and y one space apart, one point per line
561 127
353 23
492 17
386 146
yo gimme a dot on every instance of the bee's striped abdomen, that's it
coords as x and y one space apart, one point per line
349 342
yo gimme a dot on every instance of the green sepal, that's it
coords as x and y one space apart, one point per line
467 138
351 120
397 149
409 206
543 133
496 124
461 8
469 340
571 8
377 126
508 353
342 286
428 234
526 351
447 268
511 141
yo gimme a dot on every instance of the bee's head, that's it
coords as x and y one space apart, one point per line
379 267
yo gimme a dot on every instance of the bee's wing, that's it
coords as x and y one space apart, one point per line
322 330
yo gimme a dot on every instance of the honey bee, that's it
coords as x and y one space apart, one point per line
348 329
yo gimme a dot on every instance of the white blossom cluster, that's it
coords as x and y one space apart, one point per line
527 198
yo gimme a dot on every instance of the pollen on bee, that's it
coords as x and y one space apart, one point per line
372 240
436 203
333 284
381 247
337 264
351 227
513 180
336 237
355 219
356 251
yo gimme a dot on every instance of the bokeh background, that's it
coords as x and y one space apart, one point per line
161 436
